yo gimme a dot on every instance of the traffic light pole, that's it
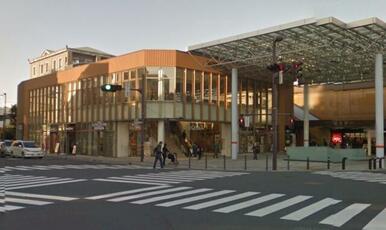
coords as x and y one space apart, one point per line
274 107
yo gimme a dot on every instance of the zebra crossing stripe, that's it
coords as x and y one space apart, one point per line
129 182
10 208
278 206
220 201
26 201
194 198
340 218
378 223
174 195
125 192
44 184
311 209
48 197
44 180
131 197
146 180
248 203
160 178
15 168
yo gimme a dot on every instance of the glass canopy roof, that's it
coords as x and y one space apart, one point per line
332 51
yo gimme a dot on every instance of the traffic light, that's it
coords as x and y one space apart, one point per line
241 122
111 88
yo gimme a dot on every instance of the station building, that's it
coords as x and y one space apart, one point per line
182 95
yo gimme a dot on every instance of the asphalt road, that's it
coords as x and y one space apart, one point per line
67 194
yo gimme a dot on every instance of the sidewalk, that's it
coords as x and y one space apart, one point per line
244 162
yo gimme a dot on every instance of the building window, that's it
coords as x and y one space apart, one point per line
33 70
179 83
54 65
41 69
46 67
60 63
65 61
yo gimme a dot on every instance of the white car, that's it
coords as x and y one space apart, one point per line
26 149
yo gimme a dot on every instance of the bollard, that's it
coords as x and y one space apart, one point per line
344 163
189 160
206 161
374 163
370 164
380 165
288 163
308 163
224 162
245 162
328 163
266 162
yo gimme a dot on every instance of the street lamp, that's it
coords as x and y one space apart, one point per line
274 105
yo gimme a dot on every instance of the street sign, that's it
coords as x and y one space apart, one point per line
99 125
127 89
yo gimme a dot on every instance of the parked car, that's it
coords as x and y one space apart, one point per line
2 149
7 149
26 149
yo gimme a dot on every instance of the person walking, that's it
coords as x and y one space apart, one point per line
164 154
158 155
255 150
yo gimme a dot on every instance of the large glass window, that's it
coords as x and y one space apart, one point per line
189 85
152 83
197 86
179 83
215 82
222 89
160 83
207 87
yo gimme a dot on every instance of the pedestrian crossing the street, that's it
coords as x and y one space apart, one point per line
358 176
252 204
174 177
17 200
69 166
13 182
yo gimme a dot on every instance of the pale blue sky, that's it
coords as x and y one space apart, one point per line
117 26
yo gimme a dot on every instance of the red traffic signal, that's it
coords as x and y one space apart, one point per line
241 122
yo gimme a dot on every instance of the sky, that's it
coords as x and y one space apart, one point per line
28 27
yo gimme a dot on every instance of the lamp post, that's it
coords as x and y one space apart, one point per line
274 106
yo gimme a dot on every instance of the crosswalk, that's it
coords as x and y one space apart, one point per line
250 203
17 200
69 166
13 181
174 177
359 176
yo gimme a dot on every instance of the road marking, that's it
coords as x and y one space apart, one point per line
278 206
378 223
124 198
174 195
129 182
160 178
311 209
248 203
26 201
48 197
98 197
220 201
38 185
47 180
10 208
340 218
195 198
145 180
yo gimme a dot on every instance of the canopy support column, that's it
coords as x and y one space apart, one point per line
379 126
306 119
235 115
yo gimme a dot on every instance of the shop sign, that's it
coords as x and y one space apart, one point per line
99 125
69 128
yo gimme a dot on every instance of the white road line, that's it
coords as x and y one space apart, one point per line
27 178
220 201
378 223
160 178
38 185
48 180
48 197
30 179
145 180
311 209
195 198
248 203
340 218
187 176
14 168
10 208
124 198
26 201
98 197
129 182
170 196
278 206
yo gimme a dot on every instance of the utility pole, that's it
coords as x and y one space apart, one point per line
274 106
4 114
